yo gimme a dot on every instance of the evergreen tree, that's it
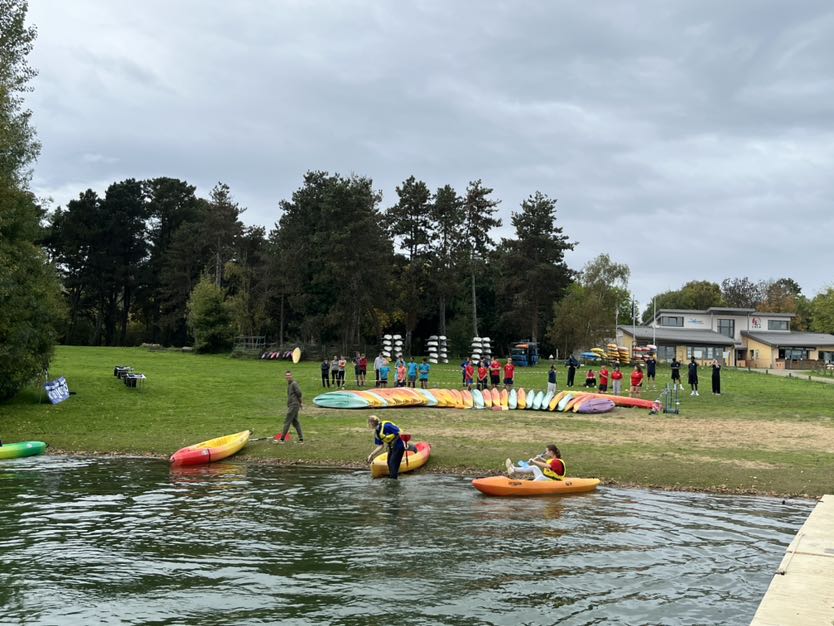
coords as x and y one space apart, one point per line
534 273
479 209
209 317
30 306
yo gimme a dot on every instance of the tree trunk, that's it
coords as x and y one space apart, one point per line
442 316
474 308
126 298
281 322
534 322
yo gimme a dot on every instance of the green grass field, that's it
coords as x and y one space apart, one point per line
765 434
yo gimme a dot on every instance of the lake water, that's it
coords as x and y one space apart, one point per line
131 541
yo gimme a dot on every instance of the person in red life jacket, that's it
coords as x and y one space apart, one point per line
603 379
591 379
617 381
387 435
636 381
547 466
483 372
468 375
509 374
495 372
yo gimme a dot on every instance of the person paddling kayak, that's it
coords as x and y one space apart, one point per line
547 466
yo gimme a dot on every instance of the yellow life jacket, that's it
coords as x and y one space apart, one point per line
389 438
548 471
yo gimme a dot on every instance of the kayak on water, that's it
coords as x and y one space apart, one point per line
506 486
411 460
211 450
22 448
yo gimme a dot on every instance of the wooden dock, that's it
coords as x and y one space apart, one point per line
802 590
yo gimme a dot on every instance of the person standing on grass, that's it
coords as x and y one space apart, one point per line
401 373
603 379
424 370
334 371
617 380
363 369
716 377
676 373
495 372
325 373
412 372
509 374
636 381
693 377
293 407
378 362
342 368
468 375
383 373
651 369
551 380
572 364
483 373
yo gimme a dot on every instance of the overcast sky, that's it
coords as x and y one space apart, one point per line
689 140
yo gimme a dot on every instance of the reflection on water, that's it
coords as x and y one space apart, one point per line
134 541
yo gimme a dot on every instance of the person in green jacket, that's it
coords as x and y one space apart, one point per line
293 407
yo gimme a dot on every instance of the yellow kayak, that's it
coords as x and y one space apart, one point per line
411 460
211 450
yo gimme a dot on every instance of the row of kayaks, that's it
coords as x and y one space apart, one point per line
496 399
414 458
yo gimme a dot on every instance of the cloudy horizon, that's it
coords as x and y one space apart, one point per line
690 141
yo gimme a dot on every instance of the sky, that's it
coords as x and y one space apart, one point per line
690 140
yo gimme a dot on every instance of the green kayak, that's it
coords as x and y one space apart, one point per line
22 448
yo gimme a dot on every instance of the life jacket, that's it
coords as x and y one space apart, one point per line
389 438
548 471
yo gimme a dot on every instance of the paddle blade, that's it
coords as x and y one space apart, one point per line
406 438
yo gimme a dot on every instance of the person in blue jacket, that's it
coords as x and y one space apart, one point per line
412 372
387 435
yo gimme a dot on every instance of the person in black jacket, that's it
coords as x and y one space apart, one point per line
572 364
716 378
693 377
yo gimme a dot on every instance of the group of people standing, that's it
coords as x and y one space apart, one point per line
615 375
405 374
692 378
486 373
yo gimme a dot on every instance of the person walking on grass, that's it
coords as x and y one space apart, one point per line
293 407
387 435
716 377
617 380
693 377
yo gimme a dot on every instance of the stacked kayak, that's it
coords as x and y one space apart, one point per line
411 460
211 450
564 401
513 487
21 449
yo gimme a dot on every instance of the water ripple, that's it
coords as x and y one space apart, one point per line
117 541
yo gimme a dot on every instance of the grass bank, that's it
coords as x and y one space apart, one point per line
765 434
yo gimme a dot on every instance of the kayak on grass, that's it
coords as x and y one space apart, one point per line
211 450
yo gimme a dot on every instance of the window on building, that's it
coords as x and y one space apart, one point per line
794 354
727 328
777 325
671 320
665 353
705 352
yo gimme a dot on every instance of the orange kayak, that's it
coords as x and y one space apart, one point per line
505 486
